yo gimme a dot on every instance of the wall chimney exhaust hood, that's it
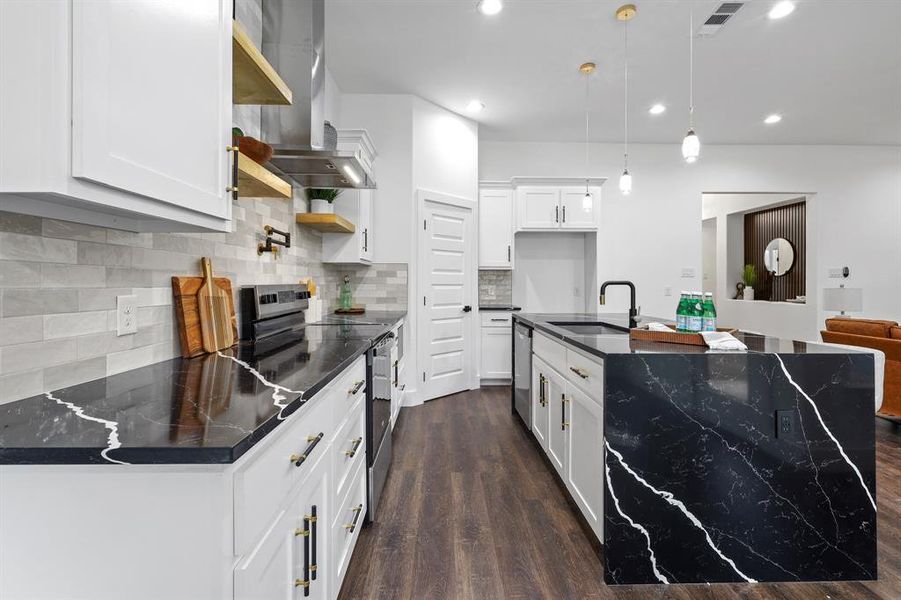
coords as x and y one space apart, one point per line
294 43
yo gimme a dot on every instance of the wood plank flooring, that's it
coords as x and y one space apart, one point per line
470 510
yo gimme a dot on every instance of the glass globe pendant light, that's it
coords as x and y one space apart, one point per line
691 145
626 13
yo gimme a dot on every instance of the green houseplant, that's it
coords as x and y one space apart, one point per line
321 199
749 276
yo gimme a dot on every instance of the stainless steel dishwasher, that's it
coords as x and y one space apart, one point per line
522 373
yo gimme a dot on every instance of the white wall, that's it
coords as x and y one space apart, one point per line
708 250
652 234
550 272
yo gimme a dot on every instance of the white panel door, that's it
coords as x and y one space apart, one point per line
151 99
577 212
540 416
585 450
447 268
538 207
496 229
497 353
557 421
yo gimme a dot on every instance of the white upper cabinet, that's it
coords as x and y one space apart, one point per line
127 119
355 206
578 211
538 207
495 228
548 204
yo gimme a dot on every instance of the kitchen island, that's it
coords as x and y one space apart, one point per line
239 474
727 466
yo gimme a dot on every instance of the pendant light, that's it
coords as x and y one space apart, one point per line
587 69
691 145
626 13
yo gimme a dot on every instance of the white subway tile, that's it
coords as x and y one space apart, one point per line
73 324
18 330
14 246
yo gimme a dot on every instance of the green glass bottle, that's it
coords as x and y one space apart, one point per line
345 300
682 313
709 312
696 313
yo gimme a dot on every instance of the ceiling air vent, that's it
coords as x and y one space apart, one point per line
718 19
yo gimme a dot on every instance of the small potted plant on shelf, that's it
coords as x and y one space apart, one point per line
321 199
749 276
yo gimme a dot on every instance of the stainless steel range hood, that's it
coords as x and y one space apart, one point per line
294 43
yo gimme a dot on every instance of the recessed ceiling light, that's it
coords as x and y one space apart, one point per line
490 7
657 109
475 106
770 120
782 9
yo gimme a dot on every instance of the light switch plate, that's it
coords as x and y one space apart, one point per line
836 273
126 314
688 273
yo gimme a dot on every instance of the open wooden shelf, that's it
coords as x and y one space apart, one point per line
256 181
254 81
326 222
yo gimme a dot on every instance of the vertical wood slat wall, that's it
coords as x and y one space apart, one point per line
761 227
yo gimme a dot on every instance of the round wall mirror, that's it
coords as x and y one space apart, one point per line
779 256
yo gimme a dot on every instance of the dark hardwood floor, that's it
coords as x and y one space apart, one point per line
470 510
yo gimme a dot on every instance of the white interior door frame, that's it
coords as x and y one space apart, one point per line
421 285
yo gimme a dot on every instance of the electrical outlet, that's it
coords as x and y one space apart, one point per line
688 273
837 273
785 423
667 291
126 315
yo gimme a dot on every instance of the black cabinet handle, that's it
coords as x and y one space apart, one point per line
499 320
313 441
313 566
305 582
556 214
508 253
467 308
396 376
353 524
564 213
356 387
541 381
233 188
353 449
562 412
365 240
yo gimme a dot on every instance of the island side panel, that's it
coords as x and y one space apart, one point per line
699 488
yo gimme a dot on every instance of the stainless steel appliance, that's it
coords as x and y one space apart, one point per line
267 310
522 373
378 418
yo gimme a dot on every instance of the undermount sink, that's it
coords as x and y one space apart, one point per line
588 328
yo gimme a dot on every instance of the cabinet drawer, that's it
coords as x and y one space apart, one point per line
550 350
496 318
262 486
586 373
348 450
349 519
348 389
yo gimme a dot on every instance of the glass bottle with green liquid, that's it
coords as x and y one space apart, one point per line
682 313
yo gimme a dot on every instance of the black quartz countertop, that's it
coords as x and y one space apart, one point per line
617 340
209 409
510 307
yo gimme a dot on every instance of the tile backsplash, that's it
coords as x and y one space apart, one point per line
495 287
59 282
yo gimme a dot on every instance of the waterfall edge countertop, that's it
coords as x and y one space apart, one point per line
206 410
617 341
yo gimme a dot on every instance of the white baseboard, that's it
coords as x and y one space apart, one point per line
495 382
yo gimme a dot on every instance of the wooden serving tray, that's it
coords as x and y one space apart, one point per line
355 310
184 292
673 337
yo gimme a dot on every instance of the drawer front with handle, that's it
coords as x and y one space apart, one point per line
551 351
585 373
348 522
263 485
348 389
348 450
496 318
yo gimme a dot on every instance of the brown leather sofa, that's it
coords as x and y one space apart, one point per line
879 335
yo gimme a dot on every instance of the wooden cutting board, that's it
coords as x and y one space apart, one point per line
184 291
213 303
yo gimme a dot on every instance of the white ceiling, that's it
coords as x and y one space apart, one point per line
832 68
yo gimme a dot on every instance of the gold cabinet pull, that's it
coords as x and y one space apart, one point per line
312 441
304 583
353 450
581 373
356 388
350 527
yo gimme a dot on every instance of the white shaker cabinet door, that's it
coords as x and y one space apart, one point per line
496 229
540 417
558 414
585 451
577 210
151 99
538 207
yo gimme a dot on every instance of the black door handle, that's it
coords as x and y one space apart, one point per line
467 308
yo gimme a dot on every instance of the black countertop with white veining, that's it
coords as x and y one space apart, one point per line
615 339
209 409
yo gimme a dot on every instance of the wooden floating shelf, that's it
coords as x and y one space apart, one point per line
254 81
256 181
326 222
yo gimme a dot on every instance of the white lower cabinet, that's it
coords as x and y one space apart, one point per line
568 422
496 345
